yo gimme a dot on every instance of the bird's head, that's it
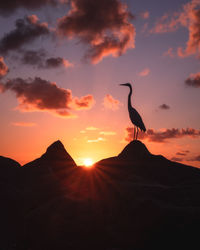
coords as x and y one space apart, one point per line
126 84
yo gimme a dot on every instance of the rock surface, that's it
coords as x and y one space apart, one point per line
135 200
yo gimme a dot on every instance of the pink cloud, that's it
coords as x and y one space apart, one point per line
144 72
3 67
109 32
111 103
164 135
24 124
145 14
41 95
169 53
189 18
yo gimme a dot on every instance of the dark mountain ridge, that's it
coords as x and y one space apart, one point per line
135 200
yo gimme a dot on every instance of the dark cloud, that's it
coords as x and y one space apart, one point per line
26 31
3 67
38 59
176 158
9 6
193 80
181 153
33 57
55 62
164 106
41 95
162 136
102 24
195 158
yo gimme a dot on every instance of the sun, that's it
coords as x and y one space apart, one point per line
88 162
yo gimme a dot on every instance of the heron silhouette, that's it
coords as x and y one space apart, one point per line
133 114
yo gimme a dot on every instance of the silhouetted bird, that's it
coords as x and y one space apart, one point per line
133 114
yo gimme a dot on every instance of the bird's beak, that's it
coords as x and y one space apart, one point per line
122 84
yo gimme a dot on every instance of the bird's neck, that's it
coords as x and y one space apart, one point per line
129 98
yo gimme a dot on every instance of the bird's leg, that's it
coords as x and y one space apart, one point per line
134 133
137 134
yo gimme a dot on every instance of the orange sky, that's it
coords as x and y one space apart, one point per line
61 80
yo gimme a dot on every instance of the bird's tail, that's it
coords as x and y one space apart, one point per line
143 128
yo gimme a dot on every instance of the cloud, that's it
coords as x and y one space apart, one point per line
176 159
107 133
144 72
41 95
164 106
182 153
189 18
195 158
145 14
110 103
55 62
99 139
38 59
23 124
103 25
163 136
193 80
85 102
7 7
33 57
26 31
169 53
3 67
91 128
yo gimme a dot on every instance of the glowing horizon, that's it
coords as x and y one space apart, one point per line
57 88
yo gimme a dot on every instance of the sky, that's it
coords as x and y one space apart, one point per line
61 63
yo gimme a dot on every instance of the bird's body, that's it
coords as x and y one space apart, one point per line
133 114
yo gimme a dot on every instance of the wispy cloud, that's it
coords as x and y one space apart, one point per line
188 17
3 67
145 14
99 139
107 133
110 102
195 158
145 72
55 62
91 128
8 7
169 52
193 80
163 135
179 159
23 124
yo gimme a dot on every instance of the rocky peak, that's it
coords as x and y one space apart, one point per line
135 150
56 152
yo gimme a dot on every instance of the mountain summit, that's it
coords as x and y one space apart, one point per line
135 150
135 200
56 152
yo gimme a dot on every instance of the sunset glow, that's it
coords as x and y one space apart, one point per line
67 88
88 162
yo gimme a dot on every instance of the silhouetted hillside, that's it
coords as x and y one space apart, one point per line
135 200
135 160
